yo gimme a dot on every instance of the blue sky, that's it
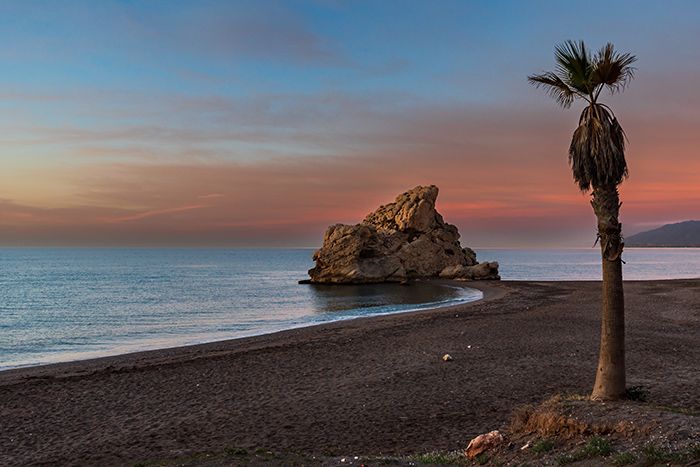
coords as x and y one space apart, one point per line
93 88
422 48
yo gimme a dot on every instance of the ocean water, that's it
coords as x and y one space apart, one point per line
584 263
69 304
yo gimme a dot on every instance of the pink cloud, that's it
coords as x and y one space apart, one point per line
503 174
153 213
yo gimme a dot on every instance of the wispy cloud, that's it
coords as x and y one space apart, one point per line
153 213
499 170
262 123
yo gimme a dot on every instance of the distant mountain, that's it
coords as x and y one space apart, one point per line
683 234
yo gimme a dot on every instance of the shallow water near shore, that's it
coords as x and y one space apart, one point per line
69 304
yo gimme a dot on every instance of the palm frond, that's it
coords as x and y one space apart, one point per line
597 150
555 87
574 65
612 69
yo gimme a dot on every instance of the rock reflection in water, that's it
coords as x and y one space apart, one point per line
338 298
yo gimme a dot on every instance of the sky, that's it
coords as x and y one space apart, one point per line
260 123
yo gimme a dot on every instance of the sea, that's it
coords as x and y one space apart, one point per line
67 304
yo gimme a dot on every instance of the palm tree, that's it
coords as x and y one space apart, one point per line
597 159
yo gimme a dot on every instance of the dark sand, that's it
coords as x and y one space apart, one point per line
368 386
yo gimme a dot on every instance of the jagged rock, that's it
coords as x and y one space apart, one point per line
483 443
406 239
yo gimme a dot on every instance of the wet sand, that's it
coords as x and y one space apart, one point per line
366 386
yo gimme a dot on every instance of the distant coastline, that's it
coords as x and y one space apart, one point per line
679 235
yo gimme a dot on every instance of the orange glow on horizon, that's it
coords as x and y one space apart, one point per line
499 191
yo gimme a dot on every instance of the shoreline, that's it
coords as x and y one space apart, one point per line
365 386
429 306
487 289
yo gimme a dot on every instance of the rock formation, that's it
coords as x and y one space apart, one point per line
407 239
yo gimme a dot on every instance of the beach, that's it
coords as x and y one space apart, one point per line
365 386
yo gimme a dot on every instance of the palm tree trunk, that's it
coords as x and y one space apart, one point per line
610 377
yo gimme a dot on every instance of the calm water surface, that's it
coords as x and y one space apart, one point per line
584 264
68 304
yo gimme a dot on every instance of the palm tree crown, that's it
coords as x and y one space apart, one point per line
597 151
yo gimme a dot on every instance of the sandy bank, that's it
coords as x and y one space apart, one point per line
372 385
